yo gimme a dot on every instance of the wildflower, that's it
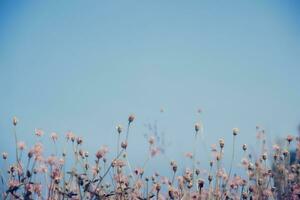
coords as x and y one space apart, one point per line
264 156
174 166
118 163
235 131
79 140
70 136
54 136
189 155
154 151
102 152
124 144
15 121
221 143
131 118
197 127
38 149
119 128
289 138
151 140
39 132
4 155
21 145
244 147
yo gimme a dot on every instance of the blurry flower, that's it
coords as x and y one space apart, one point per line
197 127
154 151
124 144
119 128
38 149
39 132
4 155
21 145
54 136
131 118
151 140
276 147
289 138
79 140
189 155
235 131
102 152
70 136
15 121
221 143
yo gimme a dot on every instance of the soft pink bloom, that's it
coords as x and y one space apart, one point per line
102 152
54 136
39 132
154 151
21 145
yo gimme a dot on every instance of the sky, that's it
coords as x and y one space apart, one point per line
86 65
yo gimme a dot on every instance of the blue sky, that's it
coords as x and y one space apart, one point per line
85 66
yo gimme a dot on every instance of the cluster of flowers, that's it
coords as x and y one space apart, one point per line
271 175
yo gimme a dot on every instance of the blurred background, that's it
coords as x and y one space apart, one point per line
86 65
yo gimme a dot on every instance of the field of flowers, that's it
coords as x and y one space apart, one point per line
273 174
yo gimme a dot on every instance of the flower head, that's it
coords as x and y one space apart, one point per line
21 145
39 132
235 131
131 118
4 155
15 121
54 136
119 129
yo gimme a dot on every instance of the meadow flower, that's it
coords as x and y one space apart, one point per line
39 132
38 149
154 151
289 138
4 155
70 136
235 131
54 136
15 121
119 129
21 145
151 140
79 140
197 127
131 118
189 155
221 143
244 147
124 144
102 152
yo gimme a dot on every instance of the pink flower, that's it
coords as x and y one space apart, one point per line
54 136
154 151
102 152
39 132
189 155
21 145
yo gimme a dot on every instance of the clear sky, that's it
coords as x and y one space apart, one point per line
86 65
